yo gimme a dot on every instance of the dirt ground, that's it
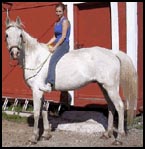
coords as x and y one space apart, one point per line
16 134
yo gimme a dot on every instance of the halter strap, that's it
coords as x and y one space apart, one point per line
13 26
10 49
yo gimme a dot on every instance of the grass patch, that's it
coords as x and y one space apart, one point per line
19 108
138 122
14 118
29 108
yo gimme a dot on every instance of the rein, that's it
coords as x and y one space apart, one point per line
40 66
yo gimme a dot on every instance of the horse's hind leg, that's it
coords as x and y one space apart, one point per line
109 131
113 93
46 134
111 110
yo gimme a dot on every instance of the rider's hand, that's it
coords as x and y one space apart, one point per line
52 49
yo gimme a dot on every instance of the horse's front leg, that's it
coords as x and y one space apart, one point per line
37 101
46 134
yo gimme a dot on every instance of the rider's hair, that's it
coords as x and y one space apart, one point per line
61 5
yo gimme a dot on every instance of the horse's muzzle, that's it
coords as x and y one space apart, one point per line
14 52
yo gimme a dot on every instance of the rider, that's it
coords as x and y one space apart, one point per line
60 40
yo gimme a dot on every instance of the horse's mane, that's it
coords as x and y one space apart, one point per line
29 40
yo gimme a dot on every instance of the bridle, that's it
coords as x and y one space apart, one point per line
15 46
10 49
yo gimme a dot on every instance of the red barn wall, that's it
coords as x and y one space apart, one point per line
92 26
38 19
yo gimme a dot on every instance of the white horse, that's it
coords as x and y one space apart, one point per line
74 70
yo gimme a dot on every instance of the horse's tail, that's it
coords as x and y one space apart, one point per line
129 83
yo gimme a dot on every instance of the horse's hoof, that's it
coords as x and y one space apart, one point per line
105 137
43 138
32 140
117 142
123 134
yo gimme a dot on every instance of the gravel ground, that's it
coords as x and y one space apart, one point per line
16 134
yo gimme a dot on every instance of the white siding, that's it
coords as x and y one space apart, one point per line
132 31
114 26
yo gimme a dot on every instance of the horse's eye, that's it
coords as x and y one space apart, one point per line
21 36
6 35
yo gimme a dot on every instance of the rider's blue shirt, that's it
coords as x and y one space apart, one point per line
58 31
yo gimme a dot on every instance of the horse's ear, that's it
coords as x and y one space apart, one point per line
8 21
18 21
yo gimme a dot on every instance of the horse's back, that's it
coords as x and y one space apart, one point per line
84 54
87 58
79 67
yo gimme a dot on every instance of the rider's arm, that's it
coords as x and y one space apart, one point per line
51 41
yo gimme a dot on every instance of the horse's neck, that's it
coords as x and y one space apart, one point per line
35 52
30 43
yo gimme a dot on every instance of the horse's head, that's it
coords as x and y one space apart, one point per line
14 37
